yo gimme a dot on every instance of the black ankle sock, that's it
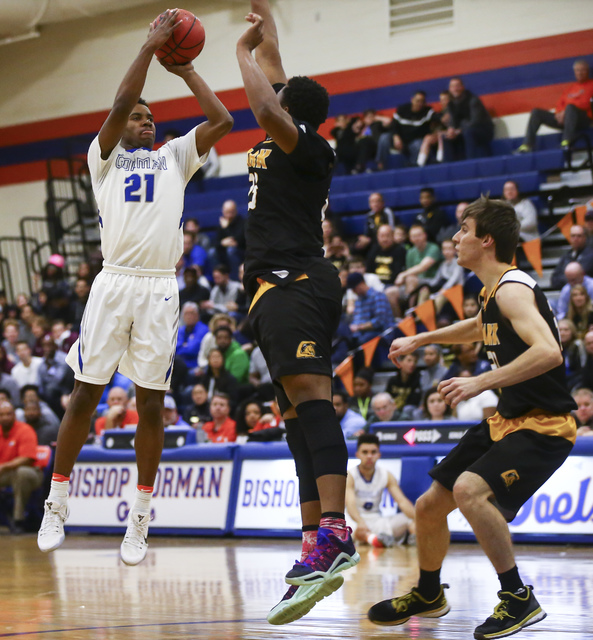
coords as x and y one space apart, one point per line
429 584
510 580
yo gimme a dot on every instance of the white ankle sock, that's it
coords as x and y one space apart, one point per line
142 501
58 491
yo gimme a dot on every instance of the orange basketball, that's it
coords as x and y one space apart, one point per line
185 42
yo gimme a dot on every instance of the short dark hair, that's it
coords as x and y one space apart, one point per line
224 396
142 101
367 438
498 219
29 387
419 93
224 328
343 394
427 190
6 393
306 100
22 342
222 268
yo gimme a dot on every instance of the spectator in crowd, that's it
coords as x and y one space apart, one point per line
18 453
267 426
434 370
259 373
216 379
118 415
191 225
9 386
209 341
573 352
63 337
386 259
345 137
26 371
470 129
579 252
230 238
357 265
525 210
337 252
372 312
584 411
39 328
30 393
368 130
56 379
574 274
432 145
404 386
410 125
479 407
46 430
383 408
236 360
572 113
588 365
377 215
362 386
432 217
55 293
171 417
422 261
222 428
190 335
194 255
27 315
449 274
198 411
580 310
11 331
193 291
6 365
446 233
435 408
82 289
352 423
364 494
224 296
466 358
470 307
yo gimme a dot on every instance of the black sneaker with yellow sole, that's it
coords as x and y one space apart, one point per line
399 610
514 612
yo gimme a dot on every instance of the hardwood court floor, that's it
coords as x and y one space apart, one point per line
223 588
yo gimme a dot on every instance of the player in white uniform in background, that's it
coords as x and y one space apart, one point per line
132 314
364 493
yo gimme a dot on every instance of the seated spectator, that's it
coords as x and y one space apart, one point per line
404 386
447 233
337 252
6 365
194 255
372 312
579 252
63 337
345 137
26 371
432 217
221 428
470 130
432 145
30 393
422 261
363 393
230 238
236 360
587 380
193 291
18 454
434 369
584 411
10 331
46 430
479 407
55 292
190 335
386 259
471 306
198 412
368 130
224 297
171 417
379 214
40 329
580 310
411 123
435 408
572 113
573 352
357 265
118 415
352 423
82 289
216 379
466 358
191 225
574 275
448 275
525 210
383 408
257 425
365 486
209 341
10 387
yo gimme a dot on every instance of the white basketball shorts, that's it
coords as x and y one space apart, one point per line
131 321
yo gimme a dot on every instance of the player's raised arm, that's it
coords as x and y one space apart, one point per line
219 121
267 55
264 102
131 86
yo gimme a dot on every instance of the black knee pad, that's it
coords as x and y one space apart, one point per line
302 460
324 437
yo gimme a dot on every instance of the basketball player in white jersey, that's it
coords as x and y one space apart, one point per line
364 492
132 314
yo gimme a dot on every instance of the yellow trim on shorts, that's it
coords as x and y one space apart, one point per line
548 424
264 286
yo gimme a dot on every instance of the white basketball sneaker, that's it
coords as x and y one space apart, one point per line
135 545
51 532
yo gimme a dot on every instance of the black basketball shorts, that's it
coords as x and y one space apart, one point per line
514 467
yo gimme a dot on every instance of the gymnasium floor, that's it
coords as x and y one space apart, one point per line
223 588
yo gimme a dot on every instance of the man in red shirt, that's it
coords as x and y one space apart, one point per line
572 113
18 452
221 428
118 415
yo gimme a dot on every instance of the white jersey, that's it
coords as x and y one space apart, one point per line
370 493
140 194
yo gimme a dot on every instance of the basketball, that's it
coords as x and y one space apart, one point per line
185 42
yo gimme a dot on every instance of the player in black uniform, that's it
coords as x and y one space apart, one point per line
500 463
296 303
